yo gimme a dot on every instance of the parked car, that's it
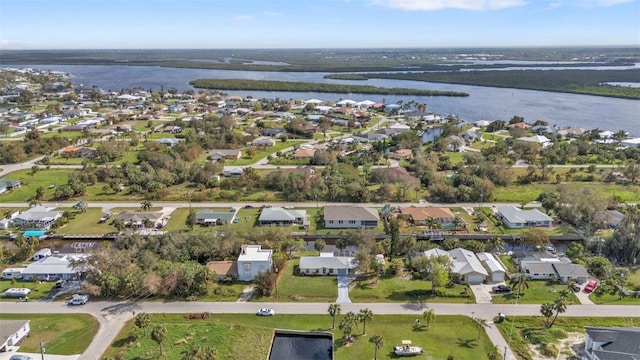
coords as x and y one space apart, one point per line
20 357
591 285
266 312
575 287
501 289
60 283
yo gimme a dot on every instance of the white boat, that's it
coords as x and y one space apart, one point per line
406 349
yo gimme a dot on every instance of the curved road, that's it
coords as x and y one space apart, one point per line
113 315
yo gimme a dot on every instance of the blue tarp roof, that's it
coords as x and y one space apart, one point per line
33 233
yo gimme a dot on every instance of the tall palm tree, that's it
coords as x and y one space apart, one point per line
158 334
560 306
482 323
378 343
334 310
145 205
346 325
429 316
143 321
546 310
497 244
457 223
519 281
363 316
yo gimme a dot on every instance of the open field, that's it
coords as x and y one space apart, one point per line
388 288
242 336
86 223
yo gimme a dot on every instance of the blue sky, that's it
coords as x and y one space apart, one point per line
194 24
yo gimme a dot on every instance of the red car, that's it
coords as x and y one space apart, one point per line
591 285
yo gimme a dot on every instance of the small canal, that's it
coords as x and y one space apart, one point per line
300 345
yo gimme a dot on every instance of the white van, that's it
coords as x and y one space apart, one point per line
79 299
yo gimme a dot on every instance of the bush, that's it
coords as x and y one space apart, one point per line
549 350
558 333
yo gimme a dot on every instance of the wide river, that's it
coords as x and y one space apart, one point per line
484 103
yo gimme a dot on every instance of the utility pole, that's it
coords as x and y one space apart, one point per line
42 349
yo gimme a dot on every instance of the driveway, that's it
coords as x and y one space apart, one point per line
583 297
482 292
343 287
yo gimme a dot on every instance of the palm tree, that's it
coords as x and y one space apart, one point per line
431 223
429 316
199 352
482 323
145 205
334 310
346 325
143 321
378 343
560 306
494 354
457 223
519 280
319 245
363 316
546 310
158 334
496 244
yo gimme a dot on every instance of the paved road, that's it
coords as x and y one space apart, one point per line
112 315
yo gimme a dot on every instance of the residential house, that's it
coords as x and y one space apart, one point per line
253 260
544 265
631 143
567 272
370 137
420 216
608 218
401 154
496 271
538 139
232 171
212 218
52 268
12 332
170 142
38 217
571 132
611 343
229 154
263 142
281 216
515 218
41 254
326 264
172 129
274 132
138 219
467 265
224 269
519 125
8 184
350 216
304 154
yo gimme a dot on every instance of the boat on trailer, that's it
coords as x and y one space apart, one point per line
406 349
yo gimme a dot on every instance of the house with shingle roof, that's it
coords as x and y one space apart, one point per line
326 264
281 216
350 216
612 343
515 218
420 216
224 268
211 218
38 217
12 332
468 266
8 184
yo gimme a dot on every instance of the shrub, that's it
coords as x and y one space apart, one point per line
549 350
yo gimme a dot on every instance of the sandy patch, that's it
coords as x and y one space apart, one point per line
570 348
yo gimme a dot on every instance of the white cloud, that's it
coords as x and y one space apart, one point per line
17 44
241 19
589 3
430 5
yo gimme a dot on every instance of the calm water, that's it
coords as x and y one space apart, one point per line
484 103
298 347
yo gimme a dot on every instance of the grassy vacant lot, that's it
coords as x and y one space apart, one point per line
30 183
633 283
178 221
520 193
539 292
261 153
388 288
513 328
62 334
38 290
237 336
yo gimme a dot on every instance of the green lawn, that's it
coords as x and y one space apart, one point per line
242 336
62 334
30 183
507 260
38 290
86 223
178 221
512 328
262 153
519 193
302 288
608 299
539 292
388 288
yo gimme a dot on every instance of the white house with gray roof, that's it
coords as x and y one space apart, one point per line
354 217
515 218
12 332
211 218
496 271
326 264
52 268
281 216
253 259
36 218
611 343
467 265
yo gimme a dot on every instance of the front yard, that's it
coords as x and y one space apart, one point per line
539 292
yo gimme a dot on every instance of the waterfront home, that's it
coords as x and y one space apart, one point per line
515 218
326 264
281 216
38 217
350 216
421 216
252 260
609 343
468 266
229 154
